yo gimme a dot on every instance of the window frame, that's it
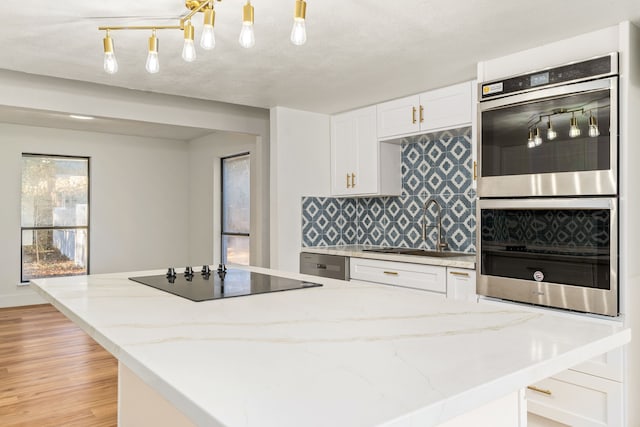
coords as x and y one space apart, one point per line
223 257
66 227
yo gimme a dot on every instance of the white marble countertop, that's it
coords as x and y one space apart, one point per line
339 355
357 251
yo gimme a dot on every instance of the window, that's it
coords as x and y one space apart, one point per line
55 216
236 209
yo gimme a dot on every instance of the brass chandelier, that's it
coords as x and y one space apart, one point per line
207 40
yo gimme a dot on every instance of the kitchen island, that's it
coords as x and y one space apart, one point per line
338 355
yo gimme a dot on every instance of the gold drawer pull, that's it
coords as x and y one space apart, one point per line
421 114
392 273
413 115
539 390
459 273
353 180
475 170
348 184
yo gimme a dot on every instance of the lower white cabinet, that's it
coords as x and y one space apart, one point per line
418 276
461 284
575 399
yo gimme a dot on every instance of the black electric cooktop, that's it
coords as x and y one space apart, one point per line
208 284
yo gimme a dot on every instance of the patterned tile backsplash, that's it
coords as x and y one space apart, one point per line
437 165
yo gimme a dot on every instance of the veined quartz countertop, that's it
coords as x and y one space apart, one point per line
357 251
338 355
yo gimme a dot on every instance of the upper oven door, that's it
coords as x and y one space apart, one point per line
560 141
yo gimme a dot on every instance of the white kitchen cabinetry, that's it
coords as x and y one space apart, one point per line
446 108
418 276
575 399
461 284
360 165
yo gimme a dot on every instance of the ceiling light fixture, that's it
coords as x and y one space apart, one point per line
593 126
110 63
299 32
574 130
537 139
530 142
153 62
207 40
551 133
247 37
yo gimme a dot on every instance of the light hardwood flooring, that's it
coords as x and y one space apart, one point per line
52 373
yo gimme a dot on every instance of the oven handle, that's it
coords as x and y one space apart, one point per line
555 203
552 92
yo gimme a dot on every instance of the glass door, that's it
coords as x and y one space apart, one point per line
236 209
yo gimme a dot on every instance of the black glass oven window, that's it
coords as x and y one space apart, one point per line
506 133
566 246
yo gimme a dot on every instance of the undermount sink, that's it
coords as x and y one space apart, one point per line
418 252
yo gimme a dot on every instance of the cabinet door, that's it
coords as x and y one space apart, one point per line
398 117
418 276
364 178
343 153
461 284
446 108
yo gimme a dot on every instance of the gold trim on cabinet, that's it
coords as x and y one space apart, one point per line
413 115
353 180
421 114
392 273
540 390
348 184
475 170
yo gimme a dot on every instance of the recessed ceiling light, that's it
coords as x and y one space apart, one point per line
75 116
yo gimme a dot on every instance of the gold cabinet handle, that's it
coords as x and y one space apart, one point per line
421 114
475 170
391 273
540 390
413 115
348 183
459 273
353 180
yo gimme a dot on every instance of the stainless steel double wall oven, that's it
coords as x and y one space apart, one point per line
548 185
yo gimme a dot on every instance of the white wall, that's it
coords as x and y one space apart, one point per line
137 217
629 208
300 160
204 195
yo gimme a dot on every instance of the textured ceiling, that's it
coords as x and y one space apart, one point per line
358 52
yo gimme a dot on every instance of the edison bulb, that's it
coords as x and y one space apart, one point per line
247 38
110 63
189 51
208 39
298 32
594 131
153 64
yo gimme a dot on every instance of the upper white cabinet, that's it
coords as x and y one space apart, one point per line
445 108
360 165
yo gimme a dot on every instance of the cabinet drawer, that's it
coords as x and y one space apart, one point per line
417 276
577 399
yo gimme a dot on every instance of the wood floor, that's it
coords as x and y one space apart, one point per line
52 373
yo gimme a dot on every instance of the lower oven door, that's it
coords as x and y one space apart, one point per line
552 252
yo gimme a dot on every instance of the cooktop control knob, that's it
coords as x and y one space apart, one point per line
171 272
188 271
222 271
205 270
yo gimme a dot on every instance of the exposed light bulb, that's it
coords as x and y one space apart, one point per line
247 38
530 142
153 63
110 64
537 140
551 133
593 127
574 130
189 49
208 39
299 32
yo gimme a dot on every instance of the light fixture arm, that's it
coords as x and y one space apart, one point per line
180 26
